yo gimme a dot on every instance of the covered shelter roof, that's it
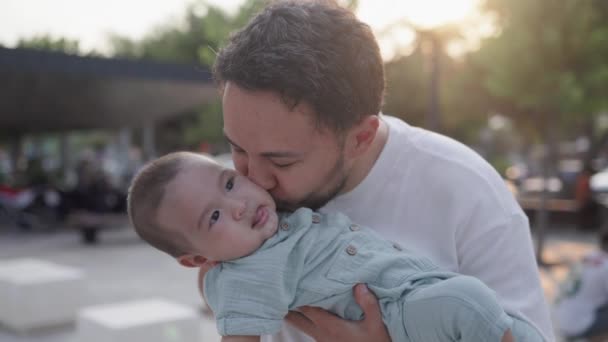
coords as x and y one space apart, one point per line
49 91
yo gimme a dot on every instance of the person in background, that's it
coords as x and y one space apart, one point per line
589 208
582 306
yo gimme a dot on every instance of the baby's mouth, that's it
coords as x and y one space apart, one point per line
261 216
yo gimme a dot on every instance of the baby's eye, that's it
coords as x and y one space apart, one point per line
283 164
215 216
230 184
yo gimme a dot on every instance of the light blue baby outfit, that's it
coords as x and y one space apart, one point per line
316 259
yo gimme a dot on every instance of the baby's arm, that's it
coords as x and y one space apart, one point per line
240 338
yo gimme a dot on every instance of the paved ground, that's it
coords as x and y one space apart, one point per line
121 268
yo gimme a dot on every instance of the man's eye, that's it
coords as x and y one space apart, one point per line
214 217
236 149
230 184
283 165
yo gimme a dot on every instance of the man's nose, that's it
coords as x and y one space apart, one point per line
260 176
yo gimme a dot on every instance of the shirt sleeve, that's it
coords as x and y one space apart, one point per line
502 256
247 299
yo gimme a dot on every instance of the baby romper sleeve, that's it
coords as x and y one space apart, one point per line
249 297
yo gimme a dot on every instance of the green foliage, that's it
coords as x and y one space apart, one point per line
195 40
247 10
57 44
207 126
49 43
406 91
549 60
464 103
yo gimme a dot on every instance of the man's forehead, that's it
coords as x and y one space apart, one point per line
276 138
267 109
239 126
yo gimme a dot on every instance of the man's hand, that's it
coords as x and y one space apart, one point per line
508 337
325 326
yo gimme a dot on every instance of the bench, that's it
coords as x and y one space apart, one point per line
552 204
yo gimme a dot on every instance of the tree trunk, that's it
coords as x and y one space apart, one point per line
433 119
541 221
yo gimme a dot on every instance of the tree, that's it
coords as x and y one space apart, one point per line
196 40
49 43
463 101
546 68
57 44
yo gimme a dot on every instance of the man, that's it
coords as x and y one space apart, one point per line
302 88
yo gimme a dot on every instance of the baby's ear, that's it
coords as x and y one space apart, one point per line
190 260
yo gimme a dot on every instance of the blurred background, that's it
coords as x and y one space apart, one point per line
93 89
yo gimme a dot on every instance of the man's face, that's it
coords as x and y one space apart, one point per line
221 214
281 149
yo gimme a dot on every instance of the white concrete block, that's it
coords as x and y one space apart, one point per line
150 320
36 293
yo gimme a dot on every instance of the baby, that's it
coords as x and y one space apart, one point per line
267 263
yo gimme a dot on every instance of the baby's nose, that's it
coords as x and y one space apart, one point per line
238 210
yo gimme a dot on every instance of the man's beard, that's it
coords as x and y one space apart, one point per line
316 200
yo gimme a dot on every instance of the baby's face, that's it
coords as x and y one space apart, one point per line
222 214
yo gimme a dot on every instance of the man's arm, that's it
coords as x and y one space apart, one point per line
323 326
508 337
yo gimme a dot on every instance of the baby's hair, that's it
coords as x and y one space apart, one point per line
145 197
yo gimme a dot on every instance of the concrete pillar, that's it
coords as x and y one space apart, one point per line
65 160
124 145
150 320
36 294
148 138
16 151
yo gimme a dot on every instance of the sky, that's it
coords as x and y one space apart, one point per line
90 21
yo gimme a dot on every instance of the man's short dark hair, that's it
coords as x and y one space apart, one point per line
311 51
145 197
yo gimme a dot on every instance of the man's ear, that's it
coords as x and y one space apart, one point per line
191 260
361 136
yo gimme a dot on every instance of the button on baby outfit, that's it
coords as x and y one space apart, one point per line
284 225
351 250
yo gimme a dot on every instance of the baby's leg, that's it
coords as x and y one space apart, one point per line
523 331
458 309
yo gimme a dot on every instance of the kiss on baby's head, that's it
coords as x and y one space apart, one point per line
198 211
